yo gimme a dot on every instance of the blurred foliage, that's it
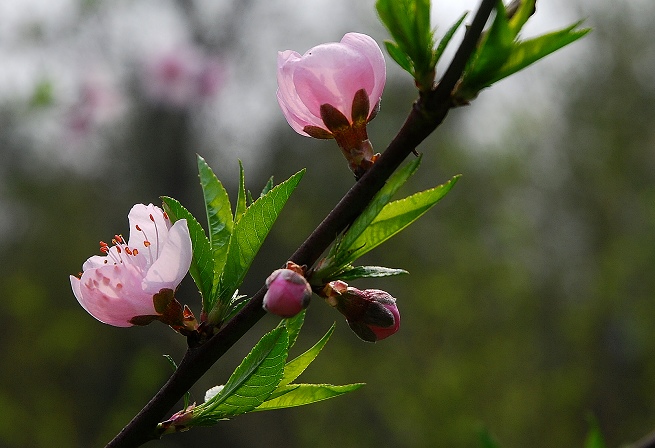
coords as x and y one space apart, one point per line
529 302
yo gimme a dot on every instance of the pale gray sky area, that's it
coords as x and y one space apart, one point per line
107 45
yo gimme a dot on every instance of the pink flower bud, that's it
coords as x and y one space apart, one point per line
372 313
332 91
135 278
288 293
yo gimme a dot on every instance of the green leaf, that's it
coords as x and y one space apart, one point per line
377 204
399 56
526 9
251 383
219 219
301 394
294 324
241 196
293 369
236 303
529 51
397 215
443 43
492 52
248 235
408 22
355 273
202 263
268 187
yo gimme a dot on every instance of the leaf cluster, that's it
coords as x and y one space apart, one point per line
381 220
413 47
222 259
501 53
264 380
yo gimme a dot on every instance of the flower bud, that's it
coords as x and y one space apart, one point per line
288 293
333 91
372 313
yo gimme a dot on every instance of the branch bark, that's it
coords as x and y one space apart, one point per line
427 114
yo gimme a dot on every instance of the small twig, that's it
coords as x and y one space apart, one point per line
428 113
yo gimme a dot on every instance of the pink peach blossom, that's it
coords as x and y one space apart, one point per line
182 77
329 74
120 286
333 91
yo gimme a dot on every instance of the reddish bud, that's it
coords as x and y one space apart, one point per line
288 293
372 313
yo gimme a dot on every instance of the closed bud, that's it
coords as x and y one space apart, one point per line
372 313
288 293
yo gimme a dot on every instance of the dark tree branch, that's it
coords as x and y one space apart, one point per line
647 441
428 113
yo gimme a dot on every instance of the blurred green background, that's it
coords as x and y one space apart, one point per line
530 304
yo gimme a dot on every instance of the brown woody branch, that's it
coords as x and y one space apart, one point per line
426 115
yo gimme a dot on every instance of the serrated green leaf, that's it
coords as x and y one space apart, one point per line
301 394
367 272
268 187
445 40
241 195
377 204
202 263
251 383
294 324
399 56
529 51
248 235
236 303
219 219
294 368
396 216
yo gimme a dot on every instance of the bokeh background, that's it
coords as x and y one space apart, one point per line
530 304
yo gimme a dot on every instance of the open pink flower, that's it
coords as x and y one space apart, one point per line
119 288
332 91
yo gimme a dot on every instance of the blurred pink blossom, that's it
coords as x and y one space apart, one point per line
182 77
120 286
99 102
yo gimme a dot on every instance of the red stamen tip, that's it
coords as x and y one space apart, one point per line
152 218
146 243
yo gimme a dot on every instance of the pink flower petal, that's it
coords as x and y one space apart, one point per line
173 262
113 295
329 74
370 49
